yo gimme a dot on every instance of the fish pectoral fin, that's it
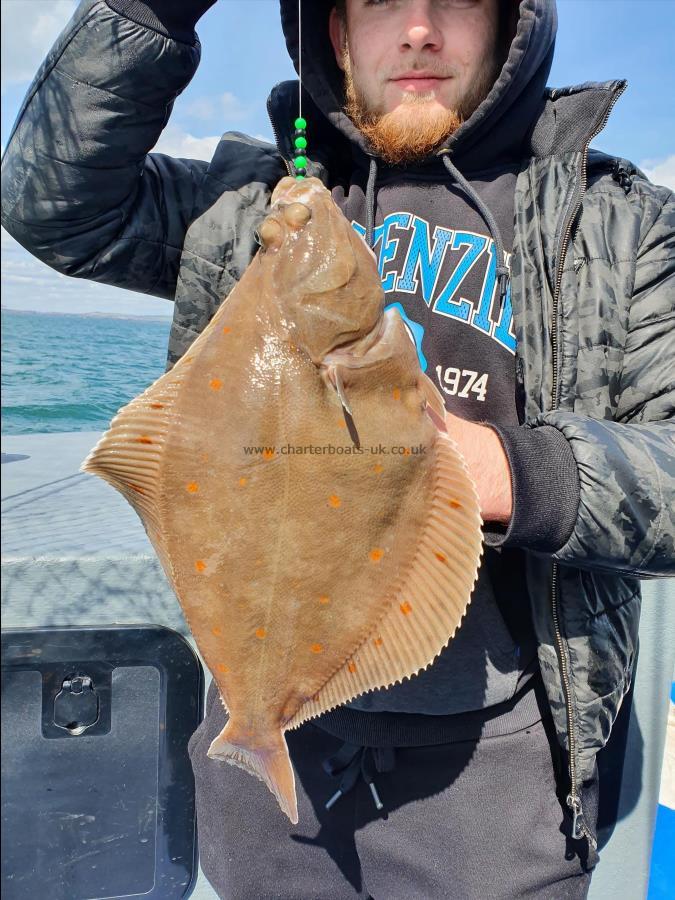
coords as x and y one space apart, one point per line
334 375
340 387
270 763
435 402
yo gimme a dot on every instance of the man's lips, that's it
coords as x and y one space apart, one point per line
417 81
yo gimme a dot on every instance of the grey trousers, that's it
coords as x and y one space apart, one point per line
471 820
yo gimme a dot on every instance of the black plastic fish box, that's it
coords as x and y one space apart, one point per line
97 788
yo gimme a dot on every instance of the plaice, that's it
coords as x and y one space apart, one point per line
292 471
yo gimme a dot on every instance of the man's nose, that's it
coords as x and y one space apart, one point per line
420 30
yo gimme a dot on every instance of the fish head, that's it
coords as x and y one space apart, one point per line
321 274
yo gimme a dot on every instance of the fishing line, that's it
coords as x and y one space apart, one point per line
300 136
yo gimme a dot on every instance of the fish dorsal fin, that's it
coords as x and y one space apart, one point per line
129 455
425 609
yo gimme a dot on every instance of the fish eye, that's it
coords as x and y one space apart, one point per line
271 234
297 214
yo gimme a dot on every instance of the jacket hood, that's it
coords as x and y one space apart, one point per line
505 116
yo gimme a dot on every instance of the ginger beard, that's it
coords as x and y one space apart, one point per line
417 126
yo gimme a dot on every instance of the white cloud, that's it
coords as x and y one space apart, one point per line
174 141
28 31
202 108
660 171
28 283
223 109
232 107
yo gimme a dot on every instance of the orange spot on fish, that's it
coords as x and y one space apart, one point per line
455 504
376 554
200 565
192 487
334 501
217 631
396 393
226 329
157 405
377 468
268 453
242 481
316 648
261 633
143 439
222 668
441 557
351 666
215 384
205 457
324 600
406 608
378 641
341 423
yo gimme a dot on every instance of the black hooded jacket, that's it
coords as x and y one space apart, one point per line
592 270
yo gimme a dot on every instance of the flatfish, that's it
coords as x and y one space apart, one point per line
292 471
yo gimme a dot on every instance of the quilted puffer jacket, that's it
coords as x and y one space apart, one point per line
593 292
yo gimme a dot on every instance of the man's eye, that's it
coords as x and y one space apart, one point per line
457 3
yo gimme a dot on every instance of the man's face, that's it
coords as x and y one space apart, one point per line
415 69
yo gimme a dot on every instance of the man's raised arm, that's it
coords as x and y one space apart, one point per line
79 189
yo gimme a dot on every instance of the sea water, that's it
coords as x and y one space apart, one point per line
73 372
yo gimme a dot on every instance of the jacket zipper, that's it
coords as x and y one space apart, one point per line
276 136
579 827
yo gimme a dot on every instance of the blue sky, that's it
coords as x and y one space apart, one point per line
244 54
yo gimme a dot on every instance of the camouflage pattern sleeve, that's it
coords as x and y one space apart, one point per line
626 516
80 191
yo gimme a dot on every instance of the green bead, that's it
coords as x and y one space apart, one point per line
300 122
301 143
300 162
299 177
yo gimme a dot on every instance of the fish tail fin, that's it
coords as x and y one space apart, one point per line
271 764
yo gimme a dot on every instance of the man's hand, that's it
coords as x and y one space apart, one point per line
481 448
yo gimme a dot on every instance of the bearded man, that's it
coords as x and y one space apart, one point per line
536 279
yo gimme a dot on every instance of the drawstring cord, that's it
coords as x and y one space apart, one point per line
502 270
370 201
353 761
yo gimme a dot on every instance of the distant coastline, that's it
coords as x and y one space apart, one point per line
85 315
